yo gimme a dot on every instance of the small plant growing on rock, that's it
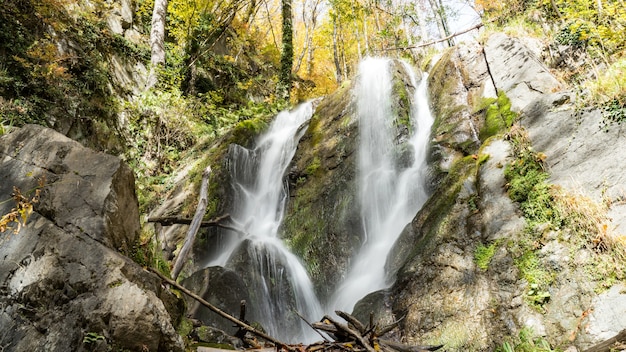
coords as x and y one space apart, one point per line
483 255
526 342
92 337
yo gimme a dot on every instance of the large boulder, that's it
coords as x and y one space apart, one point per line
65 285
583 155
85 192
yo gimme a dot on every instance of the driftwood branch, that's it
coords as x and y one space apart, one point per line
195 223
219 221
364 338
221 313
435 41
347 331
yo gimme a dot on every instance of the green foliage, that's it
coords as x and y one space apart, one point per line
539 278
613 112
526 342
314 166
483 255
498 115
54 68
527 185
147 253
246 131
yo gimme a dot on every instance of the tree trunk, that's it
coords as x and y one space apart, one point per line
157 41
286 58
338 74
444 23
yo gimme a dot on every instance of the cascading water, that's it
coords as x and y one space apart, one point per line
277 282
390 195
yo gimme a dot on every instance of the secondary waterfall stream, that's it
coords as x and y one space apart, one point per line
276 279
390 194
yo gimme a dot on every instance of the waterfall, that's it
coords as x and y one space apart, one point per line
277 282
391 191
390 195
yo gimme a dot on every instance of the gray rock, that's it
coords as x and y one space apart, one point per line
64 285
500 217
517 71
607 317
85 191
582 156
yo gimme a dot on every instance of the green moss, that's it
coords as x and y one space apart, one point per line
246 131
402 110
313 166
483 255
185 327
498 115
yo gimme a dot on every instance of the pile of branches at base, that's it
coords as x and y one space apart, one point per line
356 336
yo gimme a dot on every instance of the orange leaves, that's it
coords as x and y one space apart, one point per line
19 214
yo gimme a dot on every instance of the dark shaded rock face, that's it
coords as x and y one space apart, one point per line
65 286
221 287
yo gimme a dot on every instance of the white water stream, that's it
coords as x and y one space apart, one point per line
277 280
390 195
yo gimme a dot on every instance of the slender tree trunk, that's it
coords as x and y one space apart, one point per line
555 8
286 59
251 11
444 22
157 41
309 58
357 36
307 33
338 74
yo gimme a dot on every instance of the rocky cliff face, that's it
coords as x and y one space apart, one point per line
65 286
551 287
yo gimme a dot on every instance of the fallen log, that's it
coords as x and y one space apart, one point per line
195 223
365 337
219 221
347 331
400 347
